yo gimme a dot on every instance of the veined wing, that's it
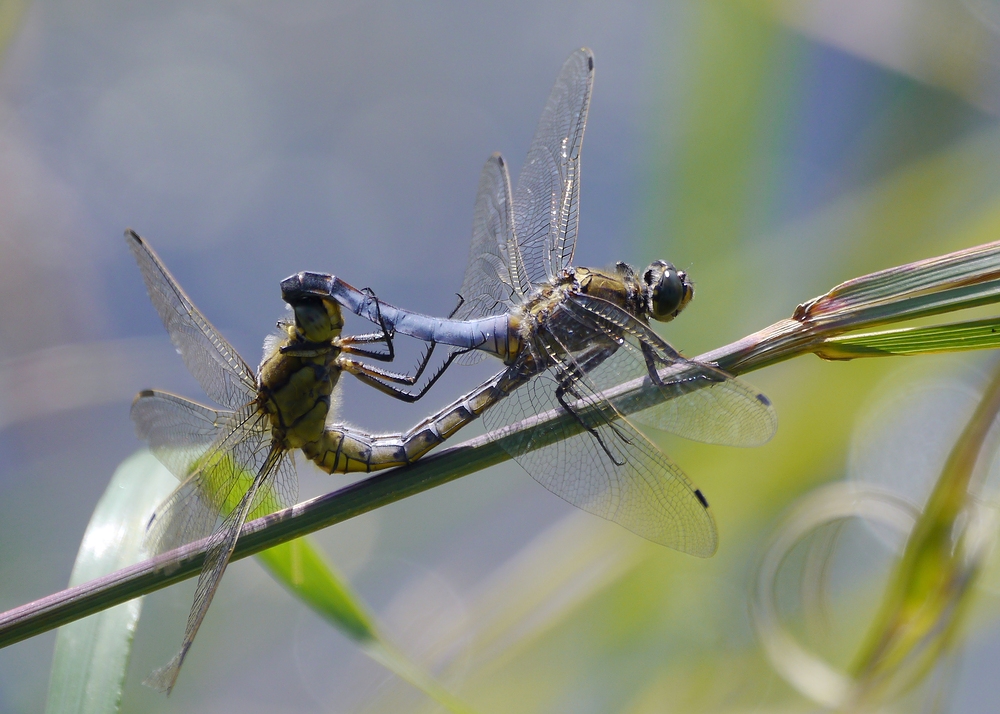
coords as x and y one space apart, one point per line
220 371
178 430
273 465
494 278
700 402
214 472
547 197
610 470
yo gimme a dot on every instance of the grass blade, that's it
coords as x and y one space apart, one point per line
91 655
953 337
302 569
955 281
929 590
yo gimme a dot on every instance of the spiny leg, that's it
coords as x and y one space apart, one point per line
378 378
385 336
567 378
425 360
654 361
561 392
385 374
421 364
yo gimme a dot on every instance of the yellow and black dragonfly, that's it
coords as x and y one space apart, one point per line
235 462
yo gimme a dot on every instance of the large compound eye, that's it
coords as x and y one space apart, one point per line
669 290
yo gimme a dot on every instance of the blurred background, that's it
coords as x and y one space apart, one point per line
771 149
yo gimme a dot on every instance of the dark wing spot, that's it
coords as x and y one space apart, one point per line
763 400
701 497
145 393
500 160
590 63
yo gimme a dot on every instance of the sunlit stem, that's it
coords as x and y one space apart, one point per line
948 283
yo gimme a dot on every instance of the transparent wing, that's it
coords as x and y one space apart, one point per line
220 371
610 469
178 431
494 278
216 559
279 491
547 197
700 402
213 481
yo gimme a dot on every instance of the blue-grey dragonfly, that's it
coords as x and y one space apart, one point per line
568 335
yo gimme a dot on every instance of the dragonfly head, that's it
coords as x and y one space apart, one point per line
667 290
317 320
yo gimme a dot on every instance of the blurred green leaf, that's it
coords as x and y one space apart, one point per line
928 591
91 655
300 566
954 337
302 569
10 18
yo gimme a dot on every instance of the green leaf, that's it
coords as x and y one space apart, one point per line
300 566
930 589
302 569
91 655
953 337
11 12
955 281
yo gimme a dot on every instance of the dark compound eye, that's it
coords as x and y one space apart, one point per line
669 290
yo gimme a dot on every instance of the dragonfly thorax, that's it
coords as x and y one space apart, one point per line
299 373
621 287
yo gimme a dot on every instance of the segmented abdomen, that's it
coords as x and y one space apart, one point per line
344 450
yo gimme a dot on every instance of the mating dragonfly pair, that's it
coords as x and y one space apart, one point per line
566 336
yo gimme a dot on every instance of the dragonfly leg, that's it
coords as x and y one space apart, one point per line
654 361
565 387
425 360
380 378
366 338
384 335
381 375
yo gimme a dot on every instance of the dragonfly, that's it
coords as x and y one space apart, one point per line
568 335
235 462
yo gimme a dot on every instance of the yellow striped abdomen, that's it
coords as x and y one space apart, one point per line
342 449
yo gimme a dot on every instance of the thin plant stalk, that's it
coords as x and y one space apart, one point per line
939 285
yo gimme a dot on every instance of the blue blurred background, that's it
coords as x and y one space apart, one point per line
770 149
